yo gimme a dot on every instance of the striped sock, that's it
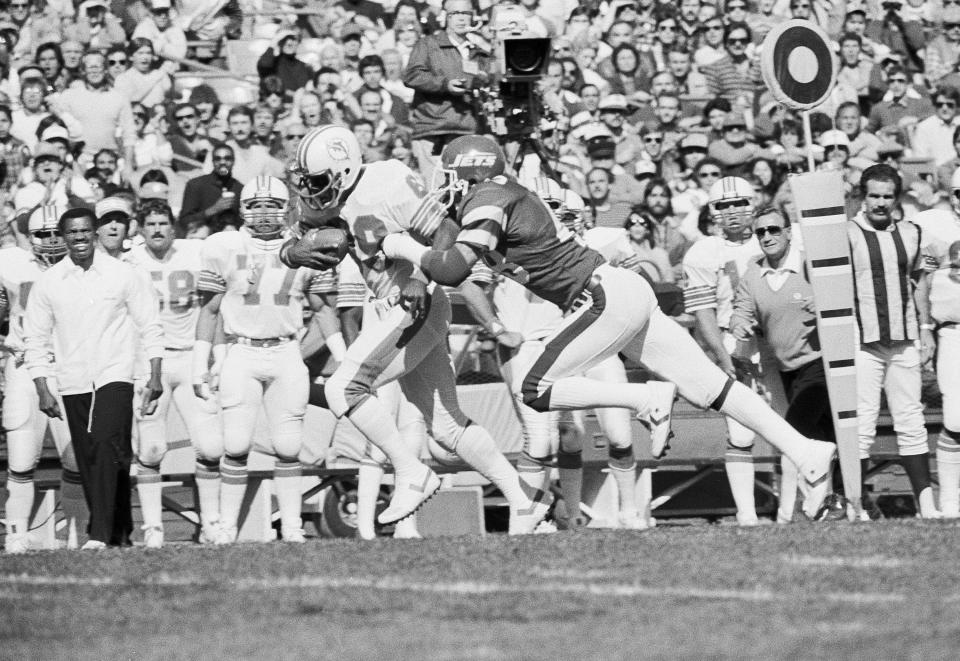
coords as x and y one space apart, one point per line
207 472
19 498
233 472
149 489
287 474
533 470
948 472
739 466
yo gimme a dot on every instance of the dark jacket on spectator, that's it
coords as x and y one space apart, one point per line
293 72
433 63
199 194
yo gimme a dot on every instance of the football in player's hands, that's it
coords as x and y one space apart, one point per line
331 240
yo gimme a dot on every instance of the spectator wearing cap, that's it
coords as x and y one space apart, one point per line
13 152
371 69
898 34
690 83
351 40
613 112
53 183
733 150
900 101
190 148
103 113
32 110
942 53
96 28
933 136
114 215
836 156
143 82
601 153
211 201
441 71
735 76
167 37
281 60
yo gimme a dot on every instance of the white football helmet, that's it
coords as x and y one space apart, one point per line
327 163
45 239
955 191
264 202
730 201
571 213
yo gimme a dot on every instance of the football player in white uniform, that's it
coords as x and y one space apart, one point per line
405 339
23 421
609 310
712 268
174 266
940 243
261 302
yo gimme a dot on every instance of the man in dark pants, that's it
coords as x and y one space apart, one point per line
775 299
88 313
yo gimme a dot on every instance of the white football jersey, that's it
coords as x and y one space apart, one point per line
522 311
614 244
175 280
388 199
262 297
940 246
712 269
19 269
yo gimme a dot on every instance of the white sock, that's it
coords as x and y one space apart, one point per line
789 479
232 488
287 474
749 409
948 474
645 492
369 478
150 492
208 490
20 494
738 463
378 424
577 392
927 503
477 448
626 481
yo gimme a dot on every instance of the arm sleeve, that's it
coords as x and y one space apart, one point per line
482 223
38 332
267 64
323 282
212 270
419 74
413 208
700 283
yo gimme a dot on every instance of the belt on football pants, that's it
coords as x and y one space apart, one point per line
584 296
262 342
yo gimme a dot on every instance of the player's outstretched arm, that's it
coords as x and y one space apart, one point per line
447 267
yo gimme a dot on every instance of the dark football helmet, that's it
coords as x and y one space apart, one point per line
466 161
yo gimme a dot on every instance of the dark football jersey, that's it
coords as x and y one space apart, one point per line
518 236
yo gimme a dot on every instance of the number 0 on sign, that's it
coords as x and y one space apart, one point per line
798 64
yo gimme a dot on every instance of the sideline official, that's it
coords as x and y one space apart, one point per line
95 309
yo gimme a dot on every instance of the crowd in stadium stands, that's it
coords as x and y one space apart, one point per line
643 106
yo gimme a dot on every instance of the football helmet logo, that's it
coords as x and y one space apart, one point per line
327 163
45 239
264 202
466 161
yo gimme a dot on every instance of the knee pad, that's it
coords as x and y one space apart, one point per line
151 451
343 396
621 458
739 437
23 477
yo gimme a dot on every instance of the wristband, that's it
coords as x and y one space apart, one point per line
201 361
927 327
403 246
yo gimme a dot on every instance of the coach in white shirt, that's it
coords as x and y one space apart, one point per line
94 309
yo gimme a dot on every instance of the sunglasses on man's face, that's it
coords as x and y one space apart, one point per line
723 205
772 230
118 62
655 139
738 41
714 174
945 104
713 28
296 136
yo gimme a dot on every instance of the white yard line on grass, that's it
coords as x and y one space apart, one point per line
865 562
455 588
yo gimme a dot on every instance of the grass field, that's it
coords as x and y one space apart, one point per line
888 590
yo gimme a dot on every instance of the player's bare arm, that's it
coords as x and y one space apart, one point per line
710 330
480 307
921 298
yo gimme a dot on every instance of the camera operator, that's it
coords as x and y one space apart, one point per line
441 70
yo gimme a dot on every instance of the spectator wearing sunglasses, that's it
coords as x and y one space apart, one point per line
189 147
942 54
735 76
933 136
899 101
774 299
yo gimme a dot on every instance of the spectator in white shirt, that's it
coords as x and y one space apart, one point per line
95 310
933 137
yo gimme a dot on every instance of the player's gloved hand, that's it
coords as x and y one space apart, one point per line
151 396
298 252
510 339
413 297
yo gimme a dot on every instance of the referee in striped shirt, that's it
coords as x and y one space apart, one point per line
893 312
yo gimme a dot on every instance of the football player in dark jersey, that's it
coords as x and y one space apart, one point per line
608 310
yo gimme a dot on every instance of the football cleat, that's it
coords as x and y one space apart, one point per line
815 474
152 537
225 535
17 543
93 545
409 495
209 533
293 535
659 417
632 520
525 521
